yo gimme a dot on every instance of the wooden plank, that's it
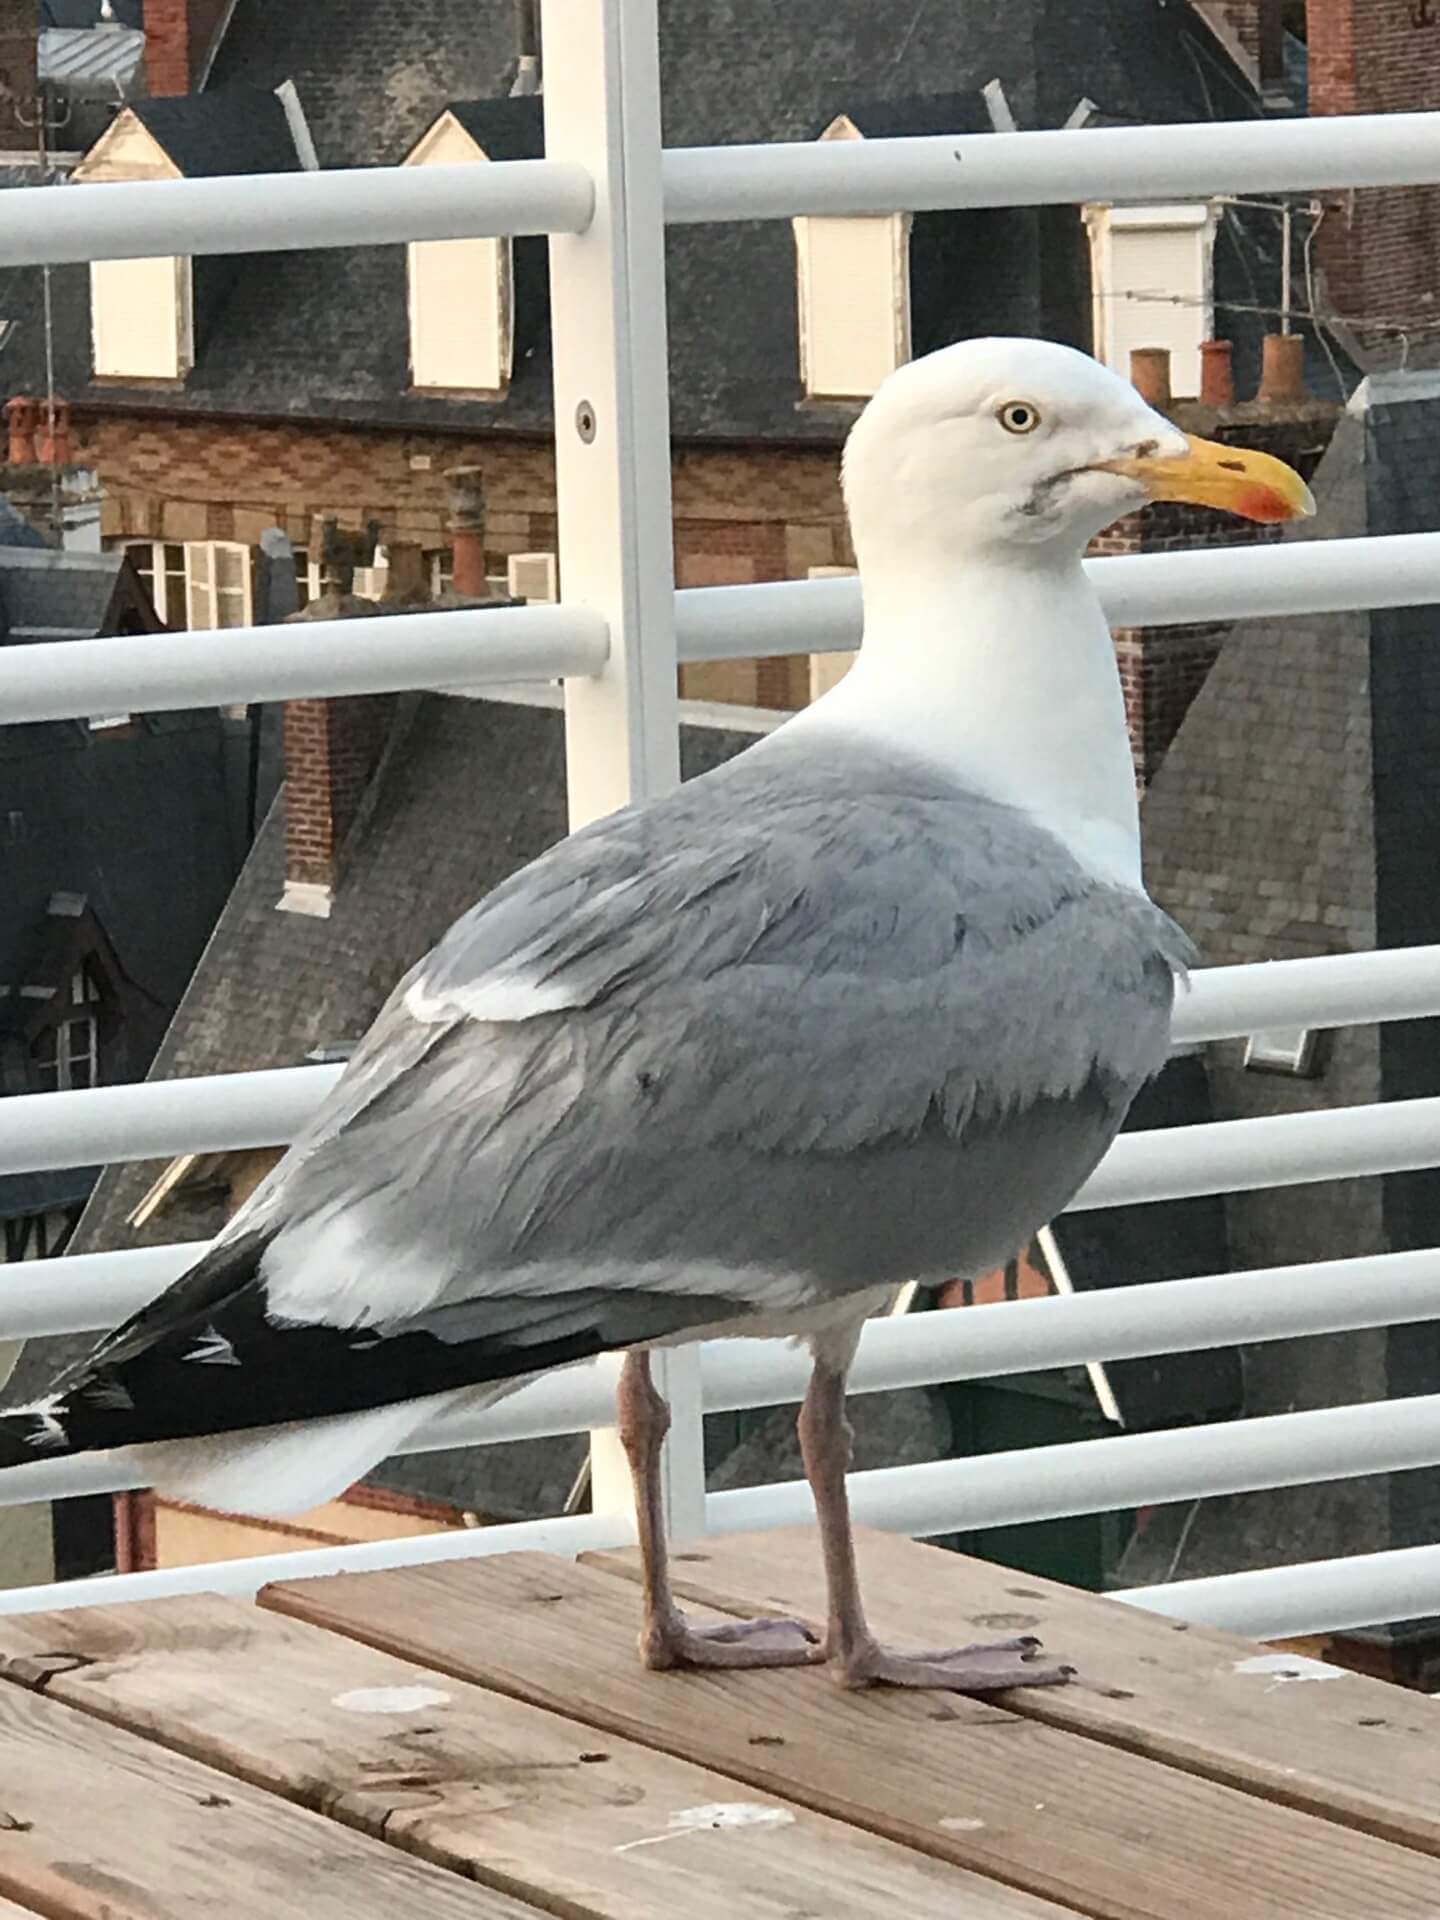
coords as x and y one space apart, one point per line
522 1799
96 1824
1086 1825
1353 1749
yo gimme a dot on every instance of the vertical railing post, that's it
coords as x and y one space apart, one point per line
612 474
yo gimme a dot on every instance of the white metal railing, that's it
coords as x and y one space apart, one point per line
602 195
216 1112
466 651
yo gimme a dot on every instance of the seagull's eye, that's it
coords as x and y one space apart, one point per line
1018 416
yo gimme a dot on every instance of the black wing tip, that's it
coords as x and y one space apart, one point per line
31 1434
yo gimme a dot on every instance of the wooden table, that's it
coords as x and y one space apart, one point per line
477 1739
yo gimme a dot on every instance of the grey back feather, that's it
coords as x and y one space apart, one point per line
812 982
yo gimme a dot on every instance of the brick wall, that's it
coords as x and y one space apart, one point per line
740 515
1379 249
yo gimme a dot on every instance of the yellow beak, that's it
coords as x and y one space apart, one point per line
1257 486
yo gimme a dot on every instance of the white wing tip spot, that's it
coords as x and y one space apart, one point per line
49 1429
212 1349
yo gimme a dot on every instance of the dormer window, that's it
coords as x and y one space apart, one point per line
1152 275
66 1051
141 311
462 327
853 292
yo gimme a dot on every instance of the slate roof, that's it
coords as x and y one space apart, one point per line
146 822
16 530
236 129
49 594
86 13
325 335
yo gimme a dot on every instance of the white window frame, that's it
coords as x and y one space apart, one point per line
203 592
157 569
71 1051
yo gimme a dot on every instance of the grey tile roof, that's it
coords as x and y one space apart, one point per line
16 530
236 129
147 823
46 594
86 13
324 335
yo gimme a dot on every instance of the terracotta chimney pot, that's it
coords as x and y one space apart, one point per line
22 415
1150 376
53 446
1217 374
1282 374
467 531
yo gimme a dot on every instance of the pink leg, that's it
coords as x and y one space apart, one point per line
860 1659
667 1639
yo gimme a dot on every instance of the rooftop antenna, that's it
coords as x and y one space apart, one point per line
41 124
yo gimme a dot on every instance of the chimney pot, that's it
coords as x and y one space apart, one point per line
53 446
1282 369
1217 374
1150 376
467 531
22 415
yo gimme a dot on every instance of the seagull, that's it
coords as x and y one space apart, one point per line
864 1006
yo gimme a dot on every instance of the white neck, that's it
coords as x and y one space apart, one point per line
1001 672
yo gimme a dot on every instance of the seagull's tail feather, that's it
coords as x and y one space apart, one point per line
201 1395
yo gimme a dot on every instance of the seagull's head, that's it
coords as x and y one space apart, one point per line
1025 443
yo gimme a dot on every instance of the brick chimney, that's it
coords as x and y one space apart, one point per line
1378 249
179 35
332 747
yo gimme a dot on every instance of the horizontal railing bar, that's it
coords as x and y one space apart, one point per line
209 1114
939 1497
380 205
1292 579
270 212
1167 1316
1315 1596
243 1579
217 1112
775 182
1278 1150
146 673
465 651
1112 1323
1099 1476
41 1130
90 1292
1327 990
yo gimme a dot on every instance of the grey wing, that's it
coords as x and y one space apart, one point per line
702 1062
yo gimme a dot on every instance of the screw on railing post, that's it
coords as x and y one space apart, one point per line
607 292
